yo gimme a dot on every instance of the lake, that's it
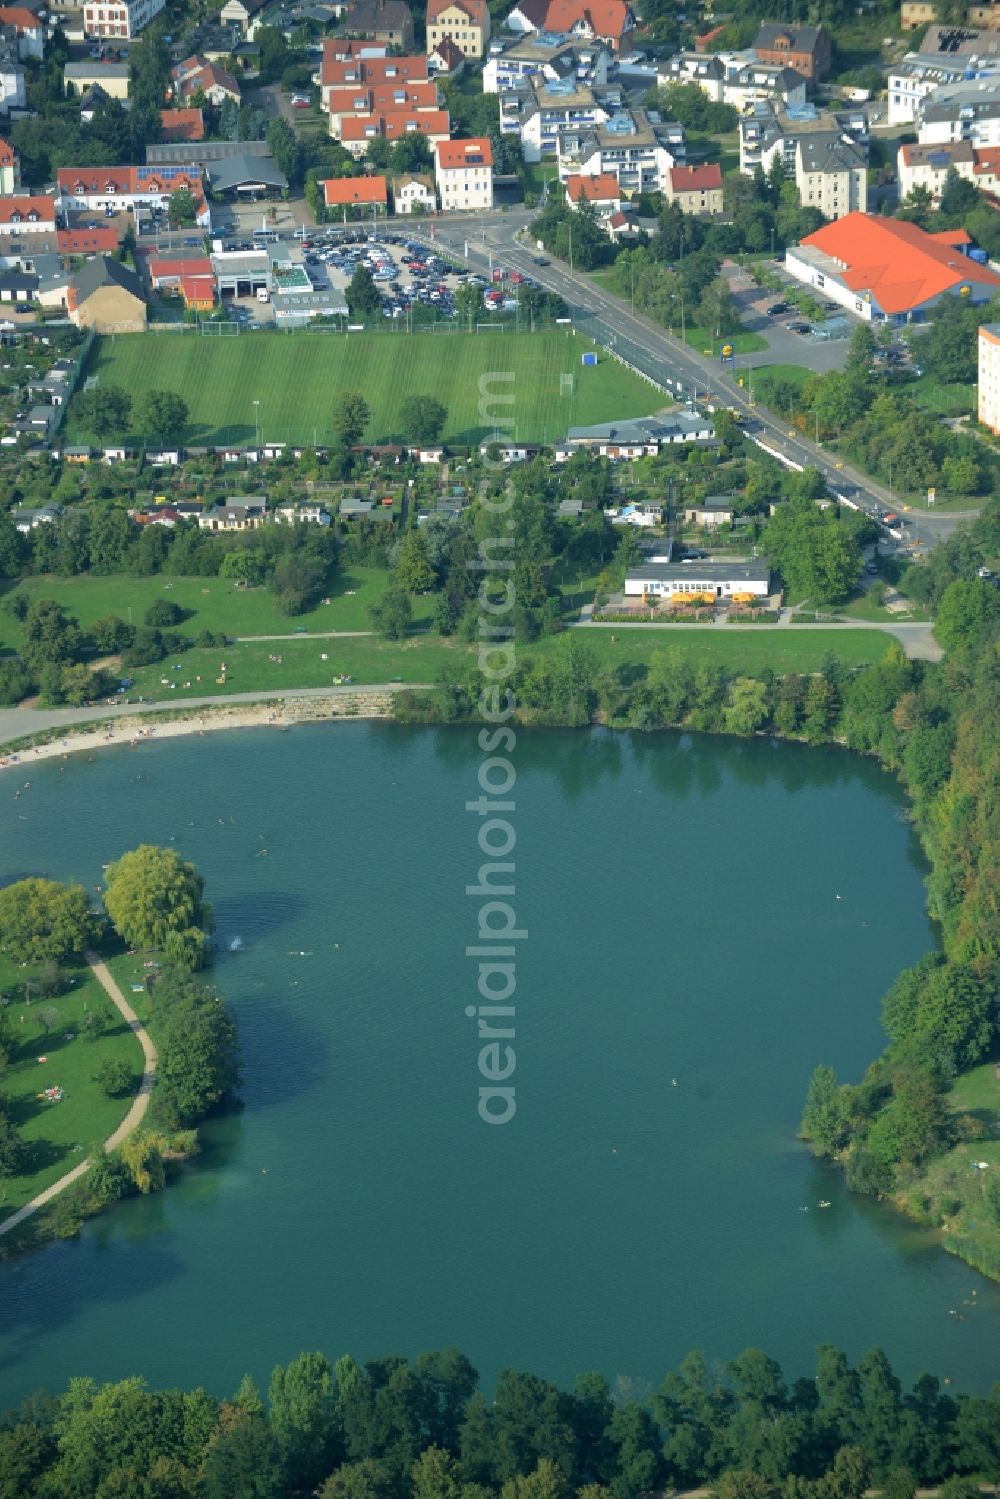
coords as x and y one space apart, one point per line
706 920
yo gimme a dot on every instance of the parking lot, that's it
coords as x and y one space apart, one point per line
407 272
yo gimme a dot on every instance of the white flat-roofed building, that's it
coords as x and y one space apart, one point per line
552 56
665 580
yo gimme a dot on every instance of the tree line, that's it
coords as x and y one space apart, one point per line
392 1429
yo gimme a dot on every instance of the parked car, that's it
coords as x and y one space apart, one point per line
797 327
301 101
776 308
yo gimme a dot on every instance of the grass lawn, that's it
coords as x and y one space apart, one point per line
84 1117
737 650
250 667
298 379
950 1191
864 607
940 398
212 603
743 343
797 374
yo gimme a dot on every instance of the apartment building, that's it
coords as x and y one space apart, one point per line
539 111
466 23
988 409
554 58
948 55
119 18
463 171
631 146
736 78
372 99
968 111
831 174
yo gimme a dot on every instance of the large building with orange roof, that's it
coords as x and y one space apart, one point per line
885 270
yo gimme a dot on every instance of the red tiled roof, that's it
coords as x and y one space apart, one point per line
476 152
8 155
367 99
338 72
100 241
197 268
897 263
182 124
603 188
606 18
18 16
695 179
394 123
41 208
987 160
198 289
341 191
476 10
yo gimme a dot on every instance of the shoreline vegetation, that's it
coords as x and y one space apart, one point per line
396 1429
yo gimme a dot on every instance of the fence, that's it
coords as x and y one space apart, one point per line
73 381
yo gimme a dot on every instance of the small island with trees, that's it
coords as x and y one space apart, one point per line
87 1114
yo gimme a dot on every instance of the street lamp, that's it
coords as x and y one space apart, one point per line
256 423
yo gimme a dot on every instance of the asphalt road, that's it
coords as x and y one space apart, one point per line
496 239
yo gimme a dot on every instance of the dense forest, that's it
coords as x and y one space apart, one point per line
391 1429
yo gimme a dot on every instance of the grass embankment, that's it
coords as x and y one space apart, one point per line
214 604
299 379
949 1193
59 1134
420 658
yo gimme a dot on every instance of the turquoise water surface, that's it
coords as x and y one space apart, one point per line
706 920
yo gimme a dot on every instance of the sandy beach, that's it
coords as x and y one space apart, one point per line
135 730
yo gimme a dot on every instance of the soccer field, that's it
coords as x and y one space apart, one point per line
297 379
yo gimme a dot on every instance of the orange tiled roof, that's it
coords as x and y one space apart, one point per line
20 17
100 241
364 99
339 192
900 265
606 18
695 179
197 268
337 72
182 124
394 123
476 152
40 208
603 188
8 155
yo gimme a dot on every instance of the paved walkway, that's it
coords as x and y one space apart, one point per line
135 1114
